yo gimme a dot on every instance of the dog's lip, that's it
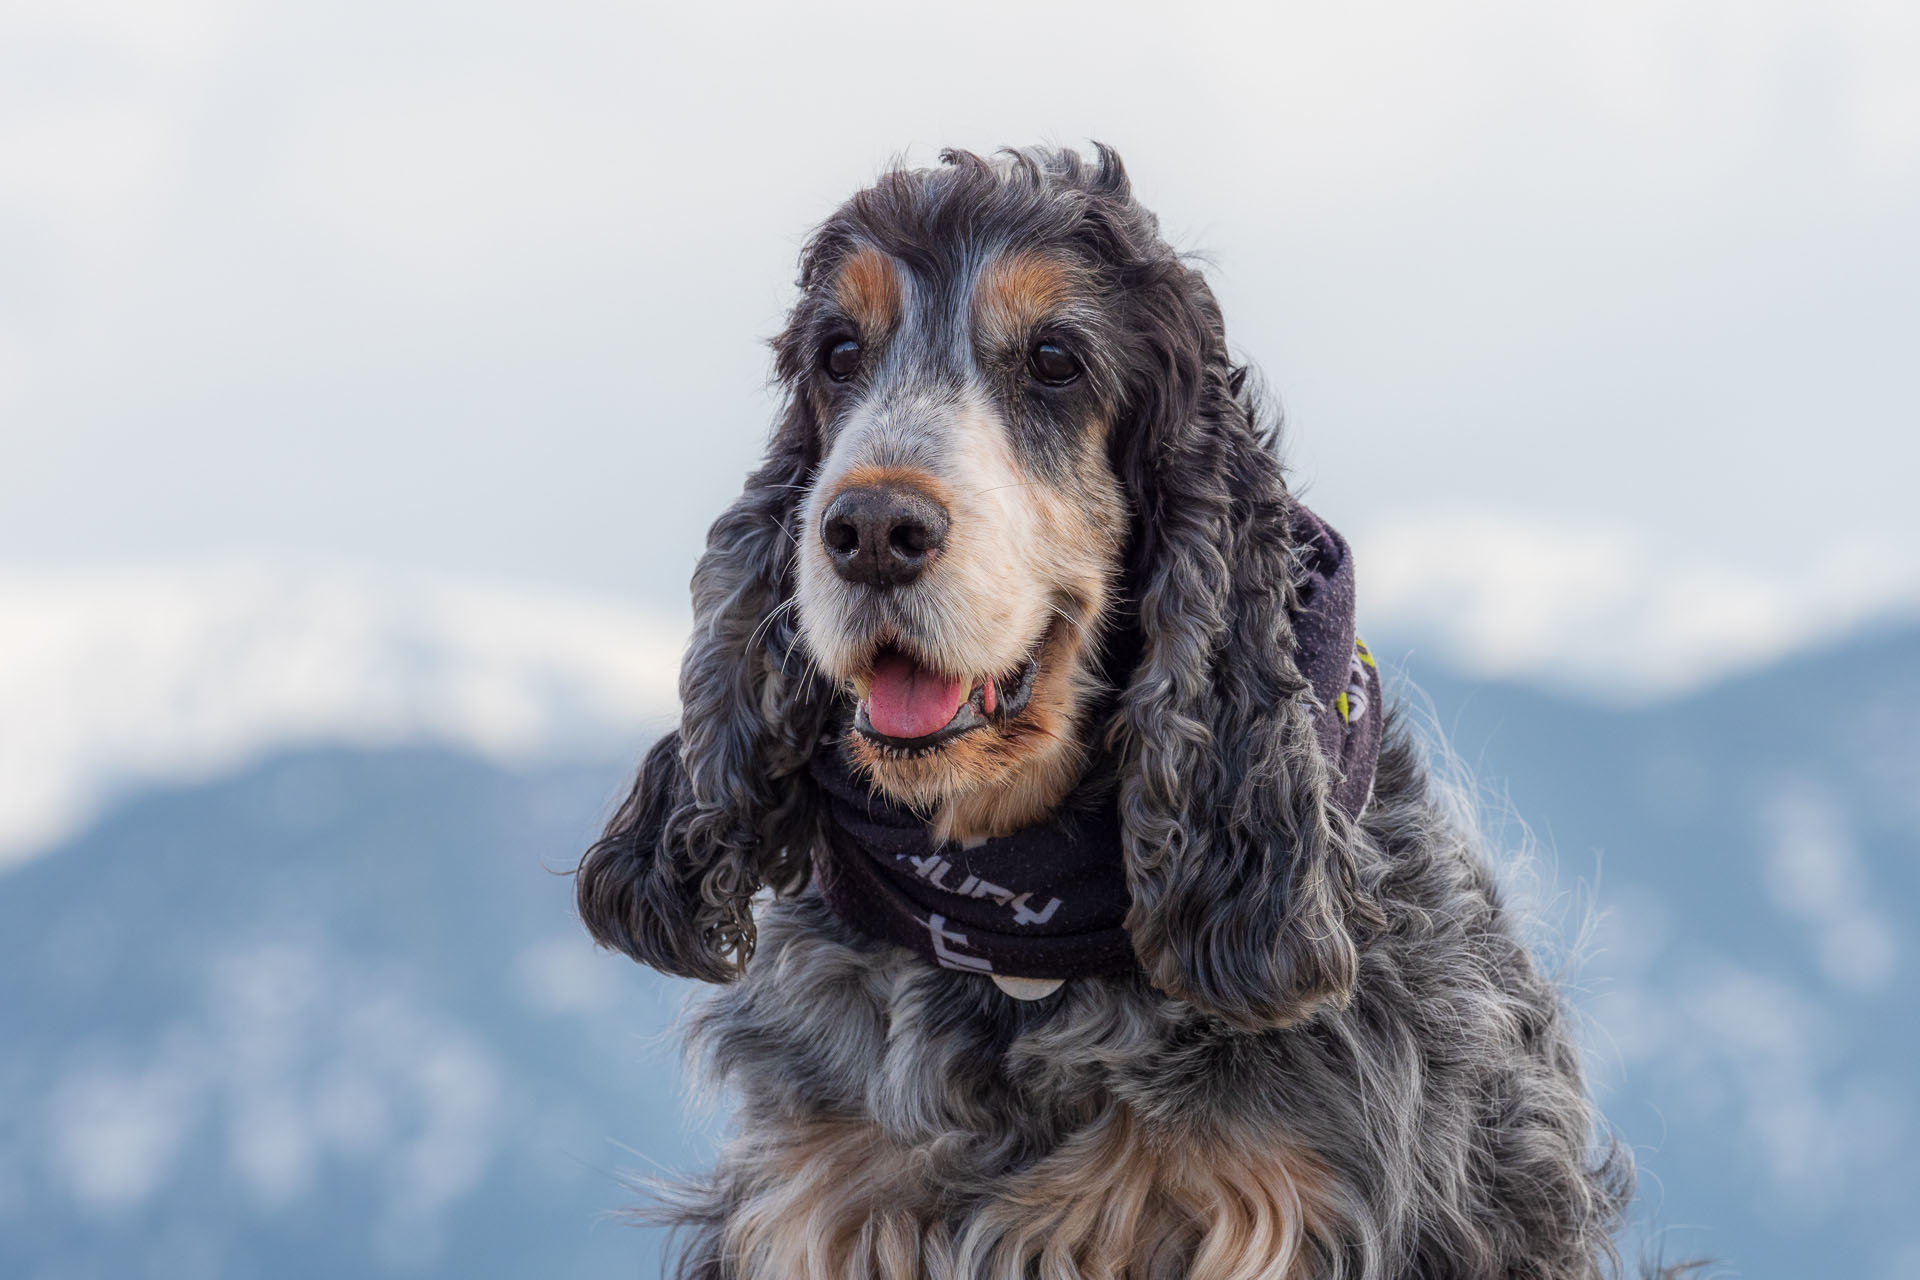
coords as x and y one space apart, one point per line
1010 695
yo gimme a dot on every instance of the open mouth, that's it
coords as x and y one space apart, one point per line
913 709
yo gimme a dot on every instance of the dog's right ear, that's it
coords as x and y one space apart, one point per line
722 806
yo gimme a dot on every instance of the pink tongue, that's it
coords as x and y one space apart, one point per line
908 701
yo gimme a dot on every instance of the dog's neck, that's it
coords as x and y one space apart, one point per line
1024 800
1031 792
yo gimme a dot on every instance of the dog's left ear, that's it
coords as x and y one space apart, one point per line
1241 865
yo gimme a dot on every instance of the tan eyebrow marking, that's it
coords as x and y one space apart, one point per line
868 290
1018 291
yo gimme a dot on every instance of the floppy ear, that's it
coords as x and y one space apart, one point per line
722 806
1240 863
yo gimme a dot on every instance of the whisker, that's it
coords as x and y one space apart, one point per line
767 621
805 657
1069 619
810 667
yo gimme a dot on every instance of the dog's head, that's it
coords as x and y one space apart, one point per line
1013 445
962 347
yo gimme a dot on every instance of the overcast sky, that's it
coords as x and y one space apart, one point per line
482 288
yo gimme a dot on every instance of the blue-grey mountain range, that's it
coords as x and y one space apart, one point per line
332 1016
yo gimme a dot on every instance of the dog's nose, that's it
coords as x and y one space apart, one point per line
882 536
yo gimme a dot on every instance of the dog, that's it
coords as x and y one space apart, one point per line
1068 922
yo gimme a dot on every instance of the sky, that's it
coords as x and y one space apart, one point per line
1593 324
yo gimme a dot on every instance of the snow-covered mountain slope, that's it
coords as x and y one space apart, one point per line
110 680
115 679
1606 611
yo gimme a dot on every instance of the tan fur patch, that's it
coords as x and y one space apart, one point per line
830 1201
1112 1204
868 289
1018 291
839 1201
867 476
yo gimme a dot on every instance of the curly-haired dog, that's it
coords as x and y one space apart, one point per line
1110 934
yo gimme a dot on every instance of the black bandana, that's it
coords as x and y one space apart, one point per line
1049 901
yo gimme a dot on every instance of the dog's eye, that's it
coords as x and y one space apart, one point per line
841 359
1052 364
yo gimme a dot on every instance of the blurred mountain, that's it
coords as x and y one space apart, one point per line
1733 878
331 1015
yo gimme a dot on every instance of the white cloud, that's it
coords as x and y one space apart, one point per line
301 1058
565 975
179 35
1607 609
91 157
1815 875
137 676
264 1000
114 1132
1723 1039
1823 1128
462 176
267 261
87 167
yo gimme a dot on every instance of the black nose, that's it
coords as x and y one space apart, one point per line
882 536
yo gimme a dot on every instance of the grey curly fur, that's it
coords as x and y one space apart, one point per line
1353 994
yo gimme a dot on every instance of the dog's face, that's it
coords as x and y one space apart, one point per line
960 539
1010 403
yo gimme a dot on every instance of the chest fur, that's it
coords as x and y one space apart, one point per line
905 1122
837 1198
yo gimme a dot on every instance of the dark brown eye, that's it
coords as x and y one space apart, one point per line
1052 364
841 359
